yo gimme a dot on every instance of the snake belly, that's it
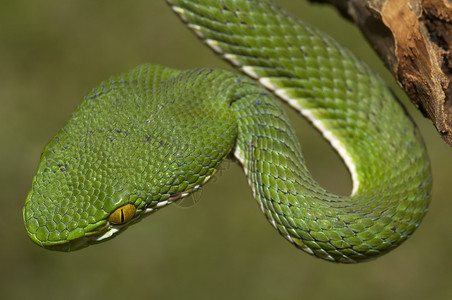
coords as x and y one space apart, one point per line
147 137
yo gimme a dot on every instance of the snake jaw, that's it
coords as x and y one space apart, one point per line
106 228
105 232
75 243
113 229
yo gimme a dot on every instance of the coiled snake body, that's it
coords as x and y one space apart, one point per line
150 136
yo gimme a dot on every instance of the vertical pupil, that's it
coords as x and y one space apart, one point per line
122 216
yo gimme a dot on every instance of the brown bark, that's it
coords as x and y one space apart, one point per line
414 38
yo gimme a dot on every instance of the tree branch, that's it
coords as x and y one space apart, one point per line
414 38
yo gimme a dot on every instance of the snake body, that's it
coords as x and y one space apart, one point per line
152 135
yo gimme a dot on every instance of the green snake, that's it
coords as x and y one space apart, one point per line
150 136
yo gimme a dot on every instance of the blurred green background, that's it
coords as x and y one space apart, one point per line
215 245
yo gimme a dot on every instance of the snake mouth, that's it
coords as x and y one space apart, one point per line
82 237
66 246
97 233
100 233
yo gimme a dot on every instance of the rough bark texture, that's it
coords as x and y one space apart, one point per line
414 38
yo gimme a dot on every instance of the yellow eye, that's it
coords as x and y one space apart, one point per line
122 214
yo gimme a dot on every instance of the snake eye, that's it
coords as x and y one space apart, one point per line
122 214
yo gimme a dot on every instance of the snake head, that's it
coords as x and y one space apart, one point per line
76 198
134 145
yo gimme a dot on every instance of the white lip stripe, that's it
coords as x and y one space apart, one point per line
107 234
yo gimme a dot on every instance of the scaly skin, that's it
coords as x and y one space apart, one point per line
145 138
